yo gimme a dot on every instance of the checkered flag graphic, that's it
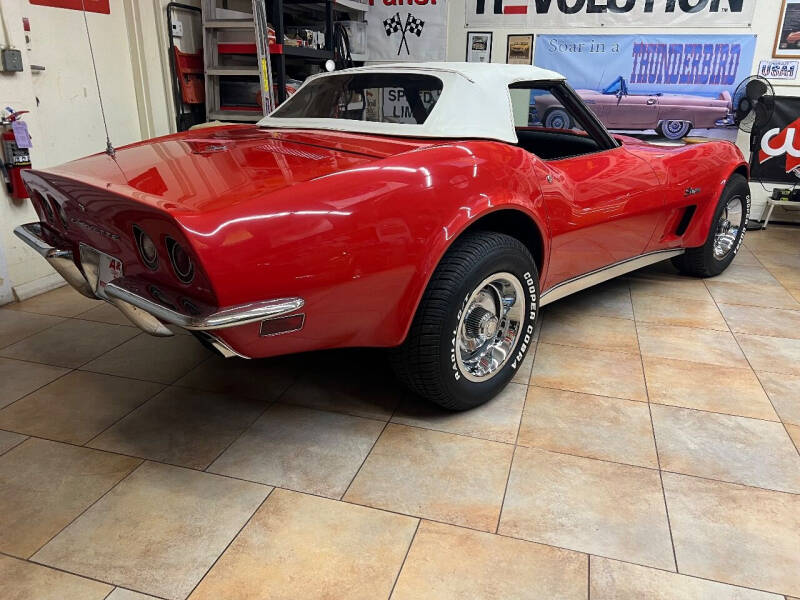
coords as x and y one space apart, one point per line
393 25
414 25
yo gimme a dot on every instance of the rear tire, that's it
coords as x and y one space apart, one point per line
674 130
557 118
725 235
459 352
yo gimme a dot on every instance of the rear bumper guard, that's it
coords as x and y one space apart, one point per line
147 314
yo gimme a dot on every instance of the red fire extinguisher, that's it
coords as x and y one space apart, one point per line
16 157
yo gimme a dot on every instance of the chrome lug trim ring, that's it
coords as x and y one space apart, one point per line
728 226
489 326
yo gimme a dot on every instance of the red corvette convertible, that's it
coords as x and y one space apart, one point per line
402 206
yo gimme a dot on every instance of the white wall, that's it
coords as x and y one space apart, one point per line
764 24
130 47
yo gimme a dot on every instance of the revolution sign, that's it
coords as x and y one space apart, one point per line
610 13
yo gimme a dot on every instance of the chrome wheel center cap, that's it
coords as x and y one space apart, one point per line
480 323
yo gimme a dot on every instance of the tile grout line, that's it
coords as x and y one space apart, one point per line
24 438
501 535
79 515
127 414
796 449
228 545
269 405
655 447
516 440
366 456
605 460
78 575
405 558
588 576
44 385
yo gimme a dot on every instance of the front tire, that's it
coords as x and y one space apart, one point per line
725 235
474 324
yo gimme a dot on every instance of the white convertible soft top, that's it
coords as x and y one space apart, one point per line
474 103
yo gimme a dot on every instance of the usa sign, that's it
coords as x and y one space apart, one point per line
610 13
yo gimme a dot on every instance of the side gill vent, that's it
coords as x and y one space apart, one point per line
688 213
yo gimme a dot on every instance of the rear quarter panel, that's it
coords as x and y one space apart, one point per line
359 245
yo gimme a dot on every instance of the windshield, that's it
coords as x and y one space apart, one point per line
384 98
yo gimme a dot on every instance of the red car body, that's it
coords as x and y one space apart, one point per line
355 224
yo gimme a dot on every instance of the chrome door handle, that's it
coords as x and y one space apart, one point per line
651 101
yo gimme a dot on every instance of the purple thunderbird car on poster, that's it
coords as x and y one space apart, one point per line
671 115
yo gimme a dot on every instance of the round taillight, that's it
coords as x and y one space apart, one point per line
63 215
47 208
182 263
147 248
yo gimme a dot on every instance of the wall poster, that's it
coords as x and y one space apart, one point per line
479 46
407 33
664 85
678 14
787 37
520 49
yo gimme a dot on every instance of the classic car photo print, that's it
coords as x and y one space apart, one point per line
787 36
664 85
327 225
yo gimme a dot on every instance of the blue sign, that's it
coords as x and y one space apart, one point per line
704 65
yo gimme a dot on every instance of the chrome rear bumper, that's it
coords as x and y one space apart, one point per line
147 314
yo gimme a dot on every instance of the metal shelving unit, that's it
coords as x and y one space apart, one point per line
280 55
280 52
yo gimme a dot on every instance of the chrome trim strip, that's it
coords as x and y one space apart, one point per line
587 280
61 260
227 317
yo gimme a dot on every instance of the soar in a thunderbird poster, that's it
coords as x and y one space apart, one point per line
672 85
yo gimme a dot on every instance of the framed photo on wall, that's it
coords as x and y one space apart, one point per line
479 46
787 36
520 49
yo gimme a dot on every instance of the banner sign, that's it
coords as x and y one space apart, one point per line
407 32
654 83
610 13
98 6
776 155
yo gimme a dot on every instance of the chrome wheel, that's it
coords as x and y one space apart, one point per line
675 130
489 326
728 228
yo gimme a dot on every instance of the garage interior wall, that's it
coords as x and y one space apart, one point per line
764 24
130 48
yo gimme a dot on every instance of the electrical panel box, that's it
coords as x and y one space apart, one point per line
11 59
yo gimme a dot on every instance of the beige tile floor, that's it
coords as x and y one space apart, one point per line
648 448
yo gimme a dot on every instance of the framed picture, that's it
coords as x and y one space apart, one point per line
787 36
479 46
520 49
